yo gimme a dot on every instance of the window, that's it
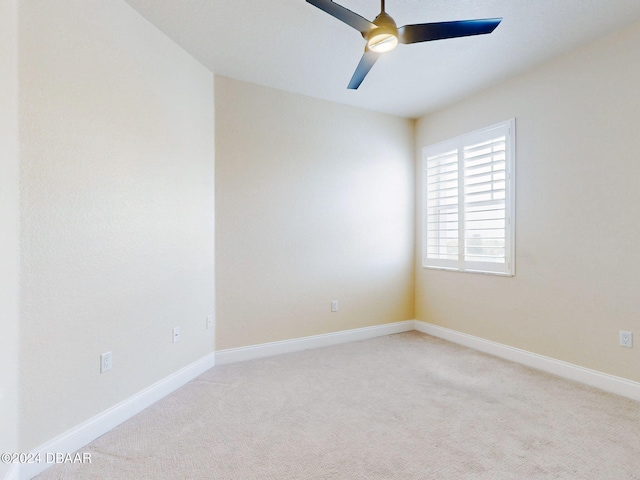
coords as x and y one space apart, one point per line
468 207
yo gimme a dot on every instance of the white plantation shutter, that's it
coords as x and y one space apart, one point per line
442 220
469 202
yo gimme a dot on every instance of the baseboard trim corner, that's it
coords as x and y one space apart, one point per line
262 350
86 432
603 381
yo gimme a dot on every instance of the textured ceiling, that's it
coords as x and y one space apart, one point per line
294 46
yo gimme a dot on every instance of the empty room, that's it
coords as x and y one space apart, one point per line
297 239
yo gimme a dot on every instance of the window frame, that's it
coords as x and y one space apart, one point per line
455 146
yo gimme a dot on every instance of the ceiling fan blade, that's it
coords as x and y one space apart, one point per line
425 32
366 62
344 14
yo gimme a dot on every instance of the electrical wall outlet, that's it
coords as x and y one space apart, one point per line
626 339
334 305
105 362
176 334
209 322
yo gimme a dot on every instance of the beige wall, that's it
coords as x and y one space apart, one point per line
8 229
578 220
314 202
116 153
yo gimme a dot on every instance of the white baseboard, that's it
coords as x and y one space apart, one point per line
88 431
13 473
603 381
93 428
262 350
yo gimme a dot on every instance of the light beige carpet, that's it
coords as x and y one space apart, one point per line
406 406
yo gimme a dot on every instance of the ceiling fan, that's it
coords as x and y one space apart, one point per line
382 35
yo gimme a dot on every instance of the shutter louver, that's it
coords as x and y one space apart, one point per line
484 180
442 242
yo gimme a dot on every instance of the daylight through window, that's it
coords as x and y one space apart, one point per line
468 211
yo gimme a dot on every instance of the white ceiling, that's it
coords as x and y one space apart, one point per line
294 46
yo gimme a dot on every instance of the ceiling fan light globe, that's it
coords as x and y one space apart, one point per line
381 42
